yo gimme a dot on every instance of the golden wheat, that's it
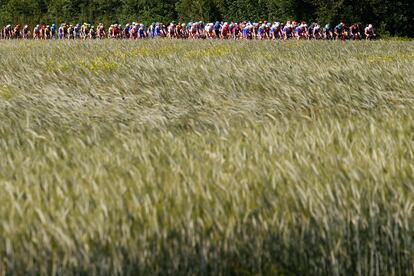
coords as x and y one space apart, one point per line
192 157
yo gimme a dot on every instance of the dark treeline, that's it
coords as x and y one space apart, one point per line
390 17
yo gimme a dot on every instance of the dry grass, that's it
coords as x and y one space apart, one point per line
206 157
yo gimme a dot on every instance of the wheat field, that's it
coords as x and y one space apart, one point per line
201 157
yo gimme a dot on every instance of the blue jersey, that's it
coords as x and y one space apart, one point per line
245 32
287 30
339 27
217 26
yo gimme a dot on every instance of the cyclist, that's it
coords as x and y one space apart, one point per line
369 32
354 32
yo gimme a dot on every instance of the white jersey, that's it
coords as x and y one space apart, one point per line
369 30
